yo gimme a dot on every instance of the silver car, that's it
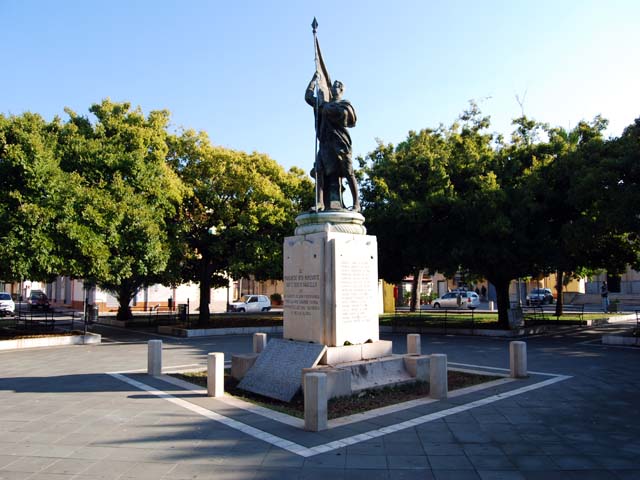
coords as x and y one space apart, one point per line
457 300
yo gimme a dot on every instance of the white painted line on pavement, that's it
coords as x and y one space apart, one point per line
503 369
351 440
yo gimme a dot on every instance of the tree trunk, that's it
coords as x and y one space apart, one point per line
559 289
205 294
416 287
502 294
125 294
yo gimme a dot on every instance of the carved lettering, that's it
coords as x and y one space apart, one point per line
355 295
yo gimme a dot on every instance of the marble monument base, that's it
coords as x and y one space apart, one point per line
356 353
350 378
331 294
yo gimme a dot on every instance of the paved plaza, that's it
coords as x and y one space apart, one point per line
87 412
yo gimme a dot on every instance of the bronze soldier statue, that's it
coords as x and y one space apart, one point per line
333 158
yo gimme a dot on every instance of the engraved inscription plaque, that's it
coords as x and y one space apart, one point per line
277 371
304 288
356 289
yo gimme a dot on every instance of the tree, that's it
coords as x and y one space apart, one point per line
579 194
124 194
620 189
548 200
454 198
30 187
241 207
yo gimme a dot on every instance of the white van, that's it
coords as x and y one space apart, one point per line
251 303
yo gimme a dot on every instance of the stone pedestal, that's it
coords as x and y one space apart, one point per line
331 281
331 306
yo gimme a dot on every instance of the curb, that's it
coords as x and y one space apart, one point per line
214 332
20 343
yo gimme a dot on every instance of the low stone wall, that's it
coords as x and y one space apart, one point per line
482 332
522 331
112 322
212 332
89 338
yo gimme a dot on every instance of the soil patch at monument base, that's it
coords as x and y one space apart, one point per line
343 406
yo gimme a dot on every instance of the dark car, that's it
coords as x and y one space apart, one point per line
38 300
540 296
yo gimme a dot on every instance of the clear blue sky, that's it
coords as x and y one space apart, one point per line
238 70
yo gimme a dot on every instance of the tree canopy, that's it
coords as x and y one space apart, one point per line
459 198
240 208
30 185
122 196
116 199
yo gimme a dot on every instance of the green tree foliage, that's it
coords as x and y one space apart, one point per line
457 197
620 189
30 185
241 207
435 200
577 198
122 194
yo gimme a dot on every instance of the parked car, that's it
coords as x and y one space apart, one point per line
251 303
540 296
7 305
38 300
450 300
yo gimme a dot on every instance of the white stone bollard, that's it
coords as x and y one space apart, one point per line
438 386
491 306
418 366
413 344
315 402
241 363
518 359
154 357
259 342
215 374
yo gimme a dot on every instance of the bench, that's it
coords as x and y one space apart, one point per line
533 313
575 309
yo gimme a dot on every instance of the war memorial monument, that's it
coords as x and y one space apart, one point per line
331 286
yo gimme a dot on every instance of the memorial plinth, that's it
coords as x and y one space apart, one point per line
331 281
331 304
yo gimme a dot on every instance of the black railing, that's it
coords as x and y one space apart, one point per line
47 319
442 318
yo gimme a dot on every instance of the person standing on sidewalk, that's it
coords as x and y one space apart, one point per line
604 293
